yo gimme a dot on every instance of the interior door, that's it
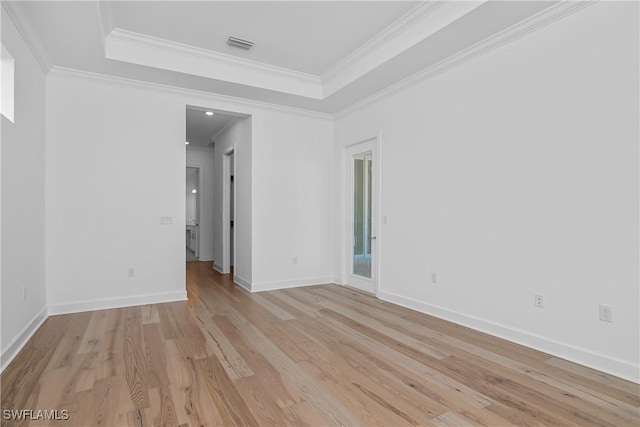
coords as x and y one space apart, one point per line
196 234
362 213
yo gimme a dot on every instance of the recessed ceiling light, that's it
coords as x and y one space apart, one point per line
209 113
194 191
186 142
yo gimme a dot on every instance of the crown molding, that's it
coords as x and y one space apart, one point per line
80 75
415 26
391 32
29 34
142 49
501 38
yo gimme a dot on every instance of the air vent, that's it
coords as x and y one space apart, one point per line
242 44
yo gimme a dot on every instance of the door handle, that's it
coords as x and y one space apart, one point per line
372 238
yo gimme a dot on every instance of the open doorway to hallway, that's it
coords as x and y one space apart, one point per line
218 162
202 127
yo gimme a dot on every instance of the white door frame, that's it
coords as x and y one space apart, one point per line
371 144
200 168
226 209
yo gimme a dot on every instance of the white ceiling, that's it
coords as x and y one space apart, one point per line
308 37
316 55
201 129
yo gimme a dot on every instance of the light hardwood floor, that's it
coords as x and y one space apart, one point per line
321 355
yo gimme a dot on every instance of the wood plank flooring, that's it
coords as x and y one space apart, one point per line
321 355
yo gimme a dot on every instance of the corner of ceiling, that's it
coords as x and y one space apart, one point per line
105 12
29 34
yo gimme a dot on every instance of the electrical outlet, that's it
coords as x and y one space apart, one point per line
539 301
24 293
131 272
606 313
434 278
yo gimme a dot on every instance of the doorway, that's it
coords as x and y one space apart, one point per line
192 214
228 211
362 211
231 210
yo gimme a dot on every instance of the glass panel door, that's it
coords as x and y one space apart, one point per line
361 200
362 195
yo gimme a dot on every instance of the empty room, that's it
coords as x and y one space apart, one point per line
320 213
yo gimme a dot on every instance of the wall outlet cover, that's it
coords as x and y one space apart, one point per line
606 313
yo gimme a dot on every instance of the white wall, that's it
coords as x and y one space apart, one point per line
23 199
109 221
292 201
517 173
104 132
204 158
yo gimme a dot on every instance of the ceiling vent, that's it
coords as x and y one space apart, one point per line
242 44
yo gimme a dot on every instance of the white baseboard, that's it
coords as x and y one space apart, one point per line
217 268
297 283
103 304
16 344
601 362
242 282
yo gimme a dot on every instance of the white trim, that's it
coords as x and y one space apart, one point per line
18 342
245 284
501 38
620 368
217 267
28 34
417 25
76 75
402 24
142 49
287 284
107 303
